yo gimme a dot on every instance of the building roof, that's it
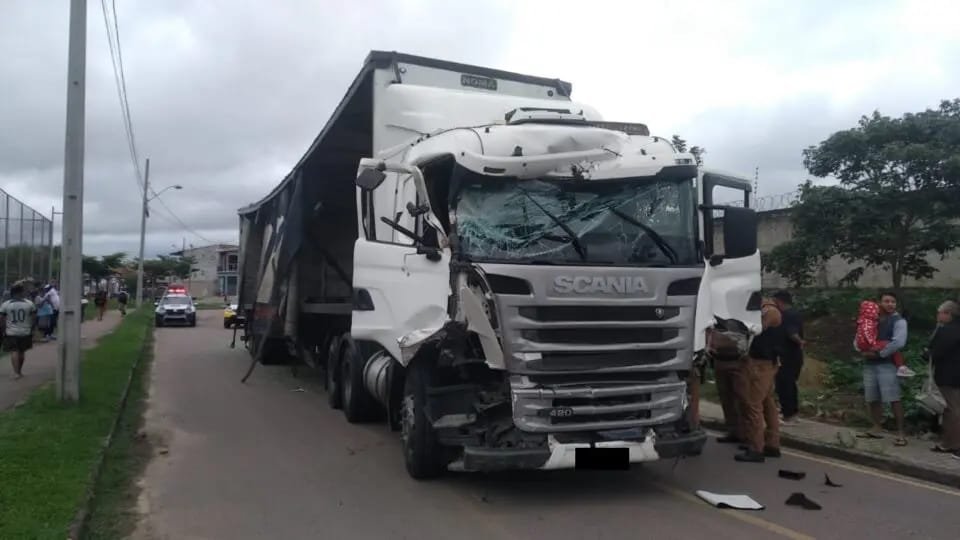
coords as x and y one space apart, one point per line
218 247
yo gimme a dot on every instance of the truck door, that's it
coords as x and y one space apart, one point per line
731 283
401 276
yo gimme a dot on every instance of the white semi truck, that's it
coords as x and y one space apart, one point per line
497 273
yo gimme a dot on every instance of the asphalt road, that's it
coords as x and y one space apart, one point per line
270 459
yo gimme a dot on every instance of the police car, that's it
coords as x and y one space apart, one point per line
175 308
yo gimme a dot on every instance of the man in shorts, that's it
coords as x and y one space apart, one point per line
16 318
880 382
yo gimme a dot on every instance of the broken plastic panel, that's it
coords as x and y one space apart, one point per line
532 221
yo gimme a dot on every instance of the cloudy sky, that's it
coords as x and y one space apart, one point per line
225 95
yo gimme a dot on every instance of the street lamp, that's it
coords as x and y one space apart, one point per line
157 194
143 225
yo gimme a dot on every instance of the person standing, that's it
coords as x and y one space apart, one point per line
761 418
791 357
122 298
100 301
52 295
728 369
880 382
17 319
944 353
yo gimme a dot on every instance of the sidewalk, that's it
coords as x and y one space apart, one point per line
841 442
41 364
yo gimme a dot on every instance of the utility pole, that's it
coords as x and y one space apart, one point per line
68 348
143 233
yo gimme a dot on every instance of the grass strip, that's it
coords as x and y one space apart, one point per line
113 511
48 451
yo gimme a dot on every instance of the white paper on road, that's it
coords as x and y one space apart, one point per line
739 502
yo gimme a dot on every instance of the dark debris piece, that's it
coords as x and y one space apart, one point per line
792 475
828 482
801 500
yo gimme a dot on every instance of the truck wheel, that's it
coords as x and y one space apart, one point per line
422 452
332 376
357 404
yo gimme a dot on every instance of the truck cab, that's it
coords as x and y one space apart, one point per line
529 284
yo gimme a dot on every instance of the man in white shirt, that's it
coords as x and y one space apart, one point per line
16 317
53 297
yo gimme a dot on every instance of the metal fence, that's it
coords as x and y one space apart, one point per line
767 203
26 237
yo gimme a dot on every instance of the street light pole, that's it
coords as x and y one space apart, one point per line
68 349
145 212
143 233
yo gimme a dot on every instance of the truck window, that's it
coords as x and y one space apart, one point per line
389 201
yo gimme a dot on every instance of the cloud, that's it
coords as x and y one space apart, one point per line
227 95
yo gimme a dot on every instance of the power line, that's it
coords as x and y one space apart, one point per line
182 224
116 59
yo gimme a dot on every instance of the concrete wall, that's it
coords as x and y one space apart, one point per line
775 228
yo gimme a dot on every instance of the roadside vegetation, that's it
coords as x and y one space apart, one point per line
48 451
113 511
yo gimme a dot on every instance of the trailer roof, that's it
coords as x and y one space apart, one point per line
385 59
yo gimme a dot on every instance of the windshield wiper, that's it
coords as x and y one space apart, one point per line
577 245
654 235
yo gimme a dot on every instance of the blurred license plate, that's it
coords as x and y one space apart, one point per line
602 459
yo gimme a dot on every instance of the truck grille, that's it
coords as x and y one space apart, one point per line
596 407
600 336
595 361
598 313
574 361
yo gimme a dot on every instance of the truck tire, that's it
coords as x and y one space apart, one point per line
332 376
358 406
423 455
275 352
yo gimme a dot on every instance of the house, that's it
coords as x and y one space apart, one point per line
214 271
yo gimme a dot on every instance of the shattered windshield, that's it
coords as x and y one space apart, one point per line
632 221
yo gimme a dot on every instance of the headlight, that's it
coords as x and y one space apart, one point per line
160 310
191 309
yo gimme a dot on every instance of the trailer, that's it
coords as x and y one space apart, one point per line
496 272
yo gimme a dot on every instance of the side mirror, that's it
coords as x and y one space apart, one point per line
194 298
739 232
371 178
156 303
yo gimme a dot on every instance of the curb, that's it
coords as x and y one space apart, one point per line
79 523
930 474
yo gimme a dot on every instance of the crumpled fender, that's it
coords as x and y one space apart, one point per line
477 322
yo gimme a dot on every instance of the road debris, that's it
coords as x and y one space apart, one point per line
828 482
738 502
801 500
791 475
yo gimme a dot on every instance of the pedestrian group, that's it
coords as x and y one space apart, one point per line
754 374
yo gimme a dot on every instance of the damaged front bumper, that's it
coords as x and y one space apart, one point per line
563 455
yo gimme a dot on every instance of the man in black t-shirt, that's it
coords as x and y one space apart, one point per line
791 357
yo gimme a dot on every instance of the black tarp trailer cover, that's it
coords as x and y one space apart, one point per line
296 244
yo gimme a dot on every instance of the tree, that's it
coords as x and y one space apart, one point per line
102 268
897 199
679 144
698 152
